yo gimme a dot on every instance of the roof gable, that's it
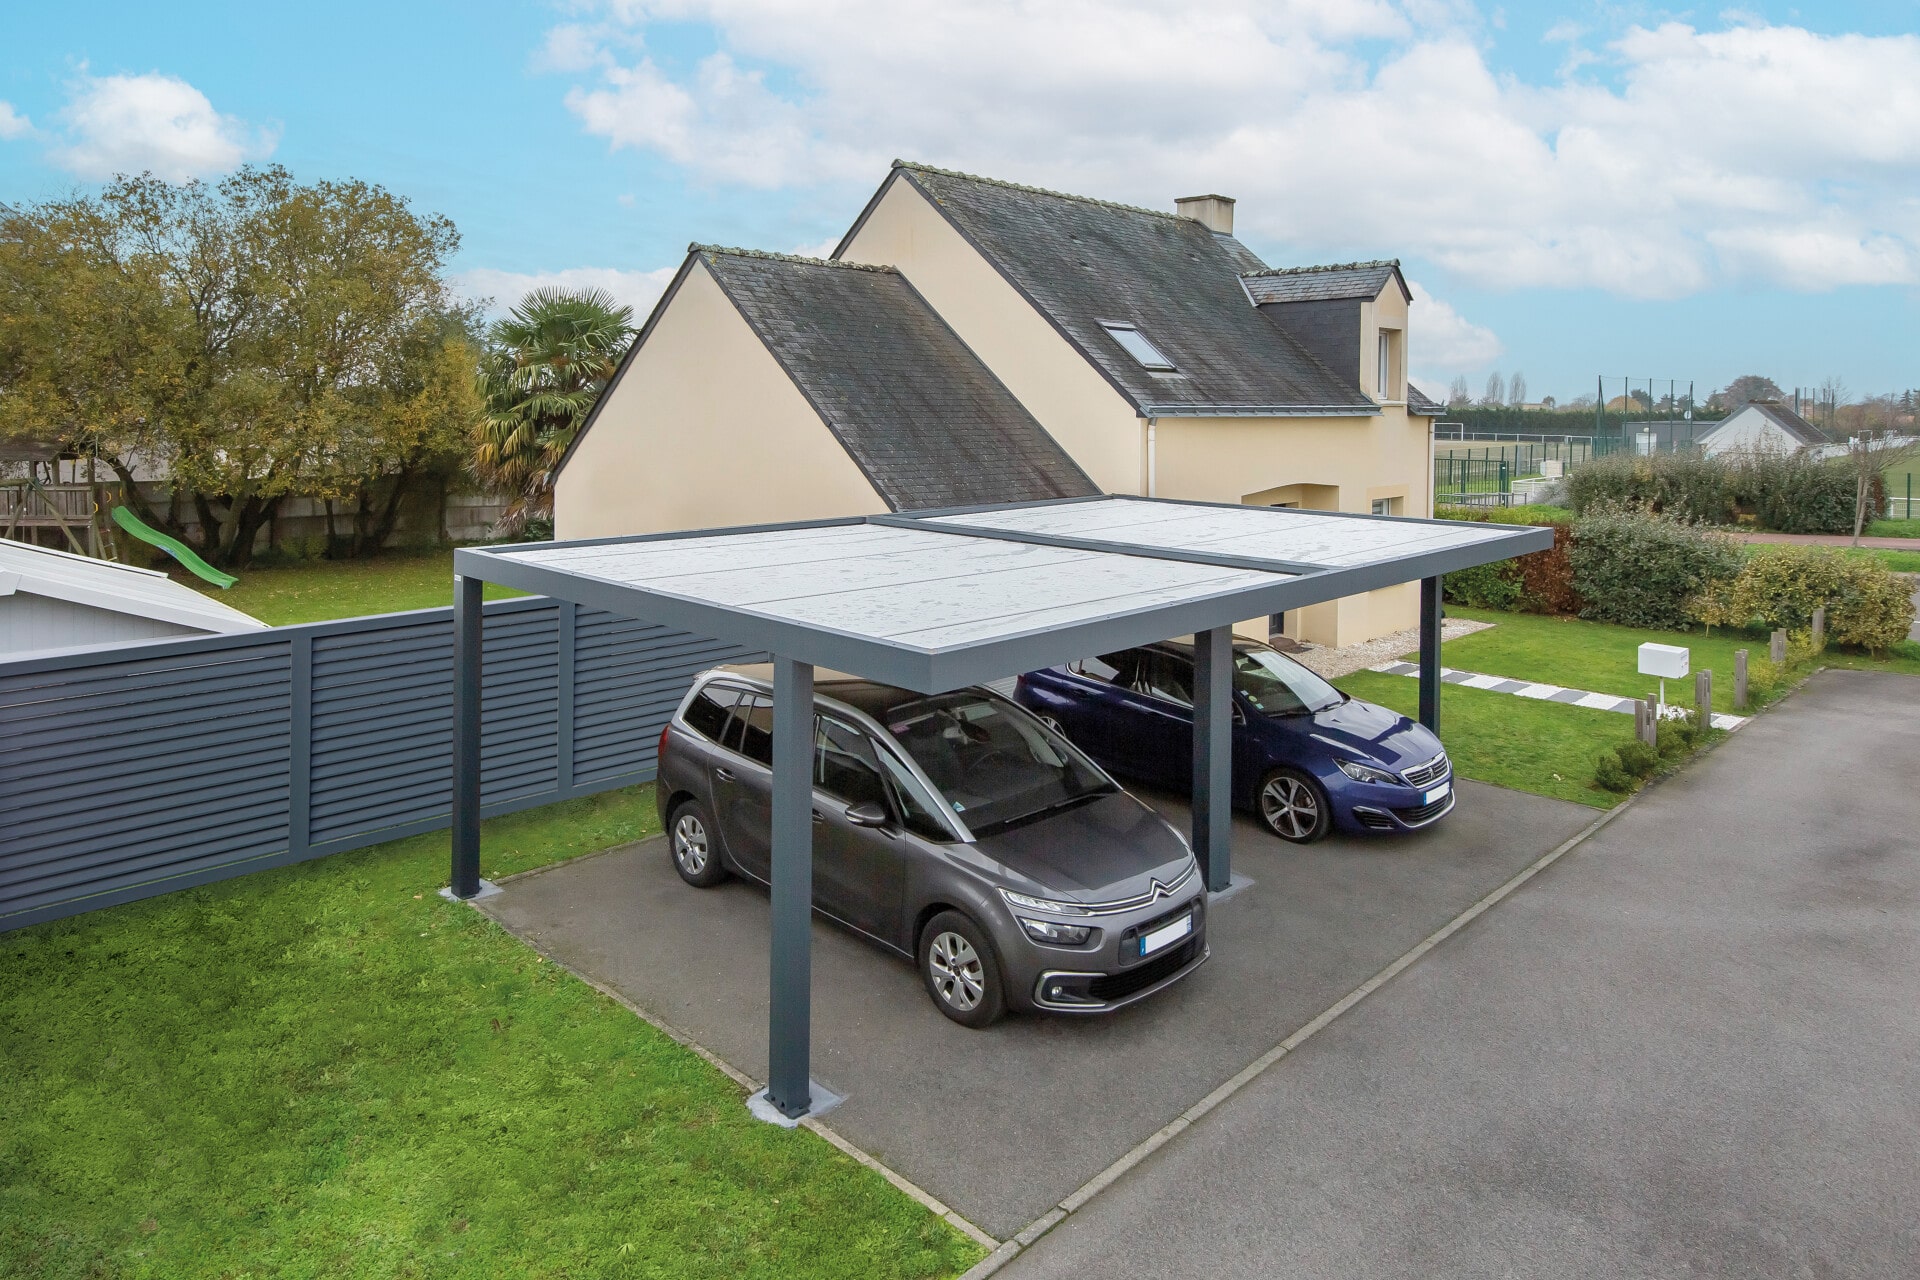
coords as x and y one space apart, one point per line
1786 419
1085 263
923 418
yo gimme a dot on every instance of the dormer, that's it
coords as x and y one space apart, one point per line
1352 315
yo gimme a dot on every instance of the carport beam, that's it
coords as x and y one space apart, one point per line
467 651
1213 755
1430 652
790 984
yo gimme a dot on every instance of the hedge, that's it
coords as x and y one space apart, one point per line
1785 492
1867 605
1538 582
1647 571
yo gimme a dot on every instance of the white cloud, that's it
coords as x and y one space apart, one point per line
1747 152
130 124
12 123
638 289
1442 338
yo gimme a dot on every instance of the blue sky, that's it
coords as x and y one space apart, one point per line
1574 189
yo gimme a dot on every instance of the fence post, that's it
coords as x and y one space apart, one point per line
1820 628
300 747
1739 679
1703 695
1777 647
565 623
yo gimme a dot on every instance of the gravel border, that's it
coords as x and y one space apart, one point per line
1334 663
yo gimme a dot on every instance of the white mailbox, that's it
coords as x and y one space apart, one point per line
1668 661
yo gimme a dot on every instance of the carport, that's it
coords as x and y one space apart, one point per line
937 600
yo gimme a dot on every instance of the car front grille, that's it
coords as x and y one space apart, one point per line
1118 986
1424 813
1432 771
1373 819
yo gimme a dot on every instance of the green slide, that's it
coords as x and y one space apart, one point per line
172 546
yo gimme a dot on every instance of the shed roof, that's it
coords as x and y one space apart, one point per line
1086 263
923 418
120 588
936 600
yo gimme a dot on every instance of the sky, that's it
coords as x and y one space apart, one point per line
1573 190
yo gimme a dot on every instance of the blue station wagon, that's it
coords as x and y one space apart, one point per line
1306 757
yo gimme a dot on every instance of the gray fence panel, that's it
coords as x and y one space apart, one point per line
146 768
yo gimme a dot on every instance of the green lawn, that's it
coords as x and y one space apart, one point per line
327 1070
320 590
1547 748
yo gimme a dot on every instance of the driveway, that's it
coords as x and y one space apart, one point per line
1691 1047
1004 1123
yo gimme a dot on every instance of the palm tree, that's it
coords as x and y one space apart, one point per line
550 359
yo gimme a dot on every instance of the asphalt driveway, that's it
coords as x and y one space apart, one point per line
1002 1124
1691 1047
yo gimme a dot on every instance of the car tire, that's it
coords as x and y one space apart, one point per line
961 971
1293 806
694 846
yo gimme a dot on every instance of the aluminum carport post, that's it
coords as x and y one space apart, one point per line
790 954
467 652
1430 653
1213 755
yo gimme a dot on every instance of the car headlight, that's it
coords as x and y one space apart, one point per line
1060 935
1367 773
1044 904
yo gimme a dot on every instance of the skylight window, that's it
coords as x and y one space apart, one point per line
1138 347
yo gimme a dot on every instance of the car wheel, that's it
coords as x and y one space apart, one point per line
958 966
1052 724
696 855
1293 806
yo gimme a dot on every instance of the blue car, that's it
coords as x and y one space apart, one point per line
1306 757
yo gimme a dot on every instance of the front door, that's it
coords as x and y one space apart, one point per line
859 873
743 786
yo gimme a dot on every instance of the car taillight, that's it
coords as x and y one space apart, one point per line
660 752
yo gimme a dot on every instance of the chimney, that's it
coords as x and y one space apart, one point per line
1215 213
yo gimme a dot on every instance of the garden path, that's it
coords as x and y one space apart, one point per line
1543 692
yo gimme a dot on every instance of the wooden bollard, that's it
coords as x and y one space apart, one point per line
1703 695
1820 628
1739 679
1777 648
1646 722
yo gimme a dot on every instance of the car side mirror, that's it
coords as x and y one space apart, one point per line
868 814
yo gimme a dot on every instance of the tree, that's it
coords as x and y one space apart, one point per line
1458 393
250 341
1745 389
1496 392
1870 455
550 359
1517 390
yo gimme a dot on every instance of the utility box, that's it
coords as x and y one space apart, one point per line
1668 661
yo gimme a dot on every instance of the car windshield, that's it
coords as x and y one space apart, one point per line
1277 686
996 765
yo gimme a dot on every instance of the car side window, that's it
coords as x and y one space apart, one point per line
1105 669
846 766
1168 677
751 730
910 804
707 713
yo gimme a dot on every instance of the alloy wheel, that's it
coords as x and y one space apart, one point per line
956 971
690 843
1290 807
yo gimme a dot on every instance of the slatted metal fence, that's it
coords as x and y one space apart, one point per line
145 768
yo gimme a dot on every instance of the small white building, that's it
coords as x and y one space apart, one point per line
51 600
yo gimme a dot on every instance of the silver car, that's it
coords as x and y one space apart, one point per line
954 829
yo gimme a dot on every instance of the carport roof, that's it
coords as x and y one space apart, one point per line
935 600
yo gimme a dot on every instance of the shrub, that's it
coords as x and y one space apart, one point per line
1611 775
1485 586
1686 484
1642 570
1539 582
1867 605
1638 759
1678 735
1797 492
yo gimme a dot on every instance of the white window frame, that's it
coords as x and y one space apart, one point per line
1139 346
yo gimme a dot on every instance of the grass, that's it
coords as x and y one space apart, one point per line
1547 748
1894 528
321 590
1897 561
327 1070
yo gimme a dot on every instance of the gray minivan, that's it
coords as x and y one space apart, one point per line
954 829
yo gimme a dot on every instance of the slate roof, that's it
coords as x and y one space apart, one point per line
1420 406
1082 261
918 412
1788 421
1324 284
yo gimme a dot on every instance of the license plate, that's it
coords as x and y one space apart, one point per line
1438 793
1166 933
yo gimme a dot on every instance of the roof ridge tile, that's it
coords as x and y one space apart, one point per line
727 251
1372 265
913 167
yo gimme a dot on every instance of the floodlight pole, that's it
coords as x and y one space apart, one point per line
467 652
790 985
1430 653
1213 755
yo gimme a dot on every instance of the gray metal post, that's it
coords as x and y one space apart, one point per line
790 988
467 649
1213 755
1739 679
1430 653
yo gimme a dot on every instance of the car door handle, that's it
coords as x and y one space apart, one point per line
725 775
819 816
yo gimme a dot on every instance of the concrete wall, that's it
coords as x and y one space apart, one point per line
31 624
705 428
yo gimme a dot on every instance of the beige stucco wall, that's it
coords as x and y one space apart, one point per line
705 429
1059 387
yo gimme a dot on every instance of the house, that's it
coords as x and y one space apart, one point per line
988 341
57 600
1757 424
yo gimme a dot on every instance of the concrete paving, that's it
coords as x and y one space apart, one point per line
1004 1123
1691 1047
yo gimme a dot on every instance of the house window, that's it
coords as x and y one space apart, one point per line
1384 506
1137 346
1384 366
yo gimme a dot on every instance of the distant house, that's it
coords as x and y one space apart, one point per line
1757 424
56 600
979 341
